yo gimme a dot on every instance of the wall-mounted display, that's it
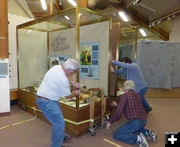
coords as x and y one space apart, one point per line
89 60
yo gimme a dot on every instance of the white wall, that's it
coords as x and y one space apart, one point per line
14 20
20 8
175 30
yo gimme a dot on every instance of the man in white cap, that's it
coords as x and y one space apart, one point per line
54 86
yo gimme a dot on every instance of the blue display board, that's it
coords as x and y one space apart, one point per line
89 60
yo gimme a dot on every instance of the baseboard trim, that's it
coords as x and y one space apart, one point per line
5 114
13 94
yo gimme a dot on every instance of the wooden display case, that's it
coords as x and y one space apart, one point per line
40 39
77 120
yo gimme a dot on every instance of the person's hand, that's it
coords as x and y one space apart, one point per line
111 58
77 92
114 104
112 69
76 85
108 125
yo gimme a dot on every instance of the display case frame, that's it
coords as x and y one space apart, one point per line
27 97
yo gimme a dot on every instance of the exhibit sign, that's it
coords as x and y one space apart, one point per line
89 60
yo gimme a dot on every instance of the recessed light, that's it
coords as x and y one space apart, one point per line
123 16
72 2
143 33
67 17
43 4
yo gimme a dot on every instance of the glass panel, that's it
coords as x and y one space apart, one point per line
38 27
88 16
54 26
32 57
66 18
127 43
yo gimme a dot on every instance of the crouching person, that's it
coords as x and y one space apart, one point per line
132 132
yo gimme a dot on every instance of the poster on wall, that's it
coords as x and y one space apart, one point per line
57 60
89 60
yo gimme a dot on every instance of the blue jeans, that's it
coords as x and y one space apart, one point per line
128 132
144 101
52 112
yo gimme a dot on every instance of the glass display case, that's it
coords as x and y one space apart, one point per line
77 33
51 40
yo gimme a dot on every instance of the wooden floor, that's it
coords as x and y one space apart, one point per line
163 118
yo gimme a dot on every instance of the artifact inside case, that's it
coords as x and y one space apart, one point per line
84 97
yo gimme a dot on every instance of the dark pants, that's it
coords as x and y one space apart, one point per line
145 102
128 132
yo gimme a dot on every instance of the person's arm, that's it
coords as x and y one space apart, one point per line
119 72
122 64
118 111
73 94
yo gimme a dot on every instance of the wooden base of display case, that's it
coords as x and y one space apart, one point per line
75 117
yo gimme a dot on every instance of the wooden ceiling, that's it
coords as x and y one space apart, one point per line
144 13
161 7
36 8
141 14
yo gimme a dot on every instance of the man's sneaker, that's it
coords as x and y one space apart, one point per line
149 110
67 139
142 142
152 135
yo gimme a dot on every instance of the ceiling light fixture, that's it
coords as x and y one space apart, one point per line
153 24
143 33
43 4
67 17
173 16
60 3
72 2
169 18
123 16
159 22
136 1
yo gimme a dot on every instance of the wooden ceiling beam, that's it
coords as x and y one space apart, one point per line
38 14
83 3
164 17
58 7
143 22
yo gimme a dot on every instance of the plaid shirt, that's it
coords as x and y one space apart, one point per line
131 106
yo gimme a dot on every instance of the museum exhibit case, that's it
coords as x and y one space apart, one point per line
77 33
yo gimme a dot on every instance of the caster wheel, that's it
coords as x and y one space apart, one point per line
93 133
24 107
